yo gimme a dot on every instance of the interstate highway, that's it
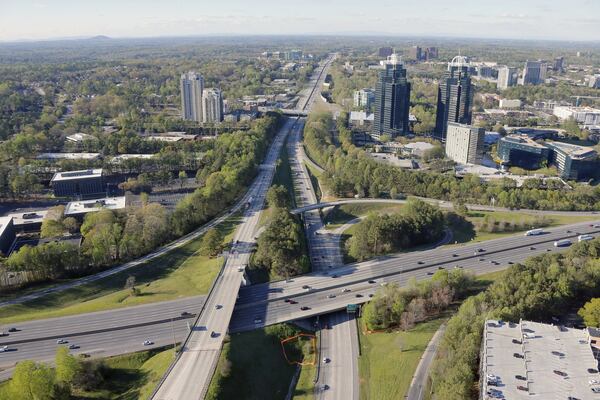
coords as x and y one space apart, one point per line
267 301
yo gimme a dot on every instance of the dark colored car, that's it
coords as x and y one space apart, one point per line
523 388
517 355
186 314
304 308
516 341
560 373
592 371
372 281
520 377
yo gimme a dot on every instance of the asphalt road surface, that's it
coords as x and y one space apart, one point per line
324 292
416 391
338 374
99 334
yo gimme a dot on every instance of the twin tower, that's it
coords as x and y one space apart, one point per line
392 98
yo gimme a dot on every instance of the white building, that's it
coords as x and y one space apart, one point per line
212 105
464 143
583 115
507 77
79 137
360 118
80 208
364 98
68 156
191 85
510 103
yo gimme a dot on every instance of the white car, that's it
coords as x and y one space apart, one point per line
596 389
3 349
148 343
325 360
491 377
61 341
594 382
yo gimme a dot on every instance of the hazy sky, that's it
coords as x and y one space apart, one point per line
526 19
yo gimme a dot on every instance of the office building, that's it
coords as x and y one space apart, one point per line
531 360
7 235
84 183
212 105
431 53
464 143
28 221
364 98
385 52
558 64
510 103
455 97
415 53
594 81
583 115
507 77
392 100
78 209
192 86
573 162
534 72
522 151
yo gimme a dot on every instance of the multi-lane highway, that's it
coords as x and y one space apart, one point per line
338 373
323 245
323 292
100 334
189 377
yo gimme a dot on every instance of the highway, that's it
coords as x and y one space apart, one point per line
323 246
100 334
323 292
338 375
189 377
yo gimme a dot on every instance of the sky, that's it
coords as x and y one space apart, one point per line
511 19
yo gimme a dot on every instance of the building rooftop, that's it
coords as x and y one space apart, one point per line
361 116
27 217
422 146
80 137
20 242
574 151
551 361
68 156
86 206
81 174
123 157
523 139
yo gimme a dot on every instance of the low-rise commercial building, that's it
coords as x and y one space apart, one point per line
510 103
80 137
531 360
361 118
78 209
522 151
28 221
464 143
82 183
573 162
583 115
7 234
68 156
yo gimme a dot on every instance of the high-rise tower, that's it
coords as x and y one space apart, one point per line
191 85
455 97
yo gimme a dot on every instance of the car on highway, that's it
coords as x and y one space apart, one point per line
326 360
304 308
148 342
213 334
3 333
3 349
218 306
74 346
346 290
186 314
11 330
420 262
306 287
429 273
592 371
331 296
372 281
61 341
335 276
560 373
596 389
594 382
455 255
523 388
520 377
370 295
293 302
325 387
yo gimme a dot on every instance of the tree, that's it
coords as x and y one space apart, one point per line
182 177
277 196
212 242
31 380
590 312
52 224
67 367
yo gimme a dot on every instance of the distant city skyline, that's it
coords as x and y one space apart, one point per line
508 19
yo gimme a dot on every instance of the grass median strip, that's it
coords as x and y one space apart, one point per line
389 359
181 272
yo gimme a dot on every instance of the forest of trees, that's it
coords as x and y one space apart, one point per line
418 223
349 171
110 237
281 247
541 287
403 307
